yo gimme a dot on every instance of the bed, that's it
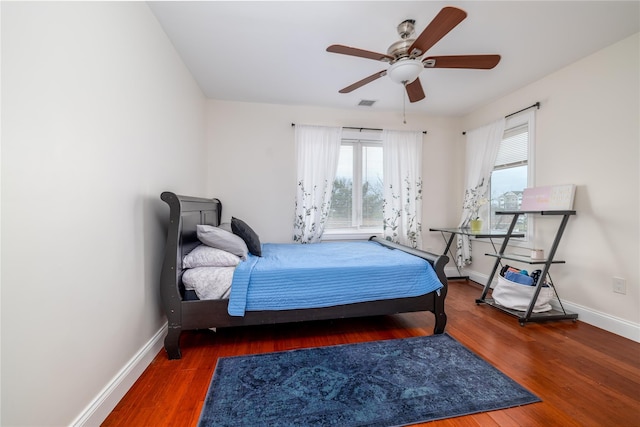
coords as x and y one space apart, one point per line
185 313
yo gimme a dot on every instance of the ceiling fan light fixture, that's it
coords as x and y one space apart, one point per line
405 71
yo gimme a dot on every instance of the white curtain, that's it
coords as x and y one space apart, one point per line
402 204
317 152
481 151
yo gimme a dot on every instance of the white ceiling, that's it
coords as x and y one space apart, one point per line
275 52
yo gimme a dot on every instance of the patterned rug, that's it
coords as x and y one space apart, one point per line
381 383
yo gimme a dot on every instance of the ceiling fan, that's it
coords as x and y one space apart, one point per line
404 56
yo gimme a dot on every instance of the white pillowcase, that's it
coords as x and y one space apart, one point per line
209 282
206 256
221 239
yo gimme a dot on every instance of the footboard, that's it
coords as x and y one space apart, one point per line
438 262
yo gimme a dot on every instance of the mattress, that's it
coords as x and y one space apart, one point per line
295 276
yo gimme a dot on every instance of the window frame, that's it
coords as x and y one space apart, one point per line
526 118
357 138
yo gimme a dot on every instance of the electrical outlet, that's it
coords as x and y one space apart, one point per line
619 285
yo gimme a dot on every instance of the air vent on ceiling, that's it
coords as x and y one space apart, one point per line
366 103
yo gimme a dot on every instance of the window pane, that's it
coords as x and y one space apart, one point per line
372 186
341 213
357 192
509 178
507 186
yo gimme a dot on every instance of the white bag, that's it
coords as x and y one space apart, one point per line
518 297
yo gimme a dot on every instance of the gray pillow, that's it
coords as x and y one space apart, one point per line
221 239
242 229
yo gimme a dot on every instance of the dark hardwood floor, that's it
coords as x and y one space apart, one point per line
584 375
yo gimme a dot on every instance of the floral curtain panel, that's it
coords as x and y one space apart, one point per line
481 151
317 152
402 204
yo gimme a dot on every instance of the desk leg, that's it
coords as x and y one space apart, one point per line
447 250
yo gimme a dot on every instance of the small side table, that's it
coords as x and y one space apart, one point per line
467 232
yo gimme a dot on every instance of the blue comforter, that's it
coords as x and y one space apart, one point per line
291 276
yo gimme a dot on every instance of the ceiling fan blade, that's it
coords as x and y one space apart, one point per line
415 91
353 51
444 22
479 62
363 82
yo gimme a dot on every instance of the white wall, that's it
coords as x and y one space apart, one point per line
252 161
99 116
587 133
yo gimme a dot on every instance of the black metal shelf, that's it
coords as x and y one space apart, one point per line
529 315
555 212
526 259
552 314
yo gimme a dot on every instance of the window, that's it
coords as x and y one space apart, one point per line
356 202
512 173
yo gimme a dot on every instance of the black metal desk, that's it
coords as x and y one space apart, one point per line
467 232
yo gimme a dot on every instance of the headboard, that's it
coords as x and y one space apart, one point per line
184 214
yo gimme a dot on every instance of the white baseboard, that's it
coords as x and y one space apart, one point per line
605 321
588 315
114 391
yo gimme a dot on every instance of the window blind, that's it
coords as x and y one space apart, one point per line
514 147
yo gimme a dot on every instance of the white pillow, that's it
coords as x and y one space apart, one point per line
206 256
209 282
220 239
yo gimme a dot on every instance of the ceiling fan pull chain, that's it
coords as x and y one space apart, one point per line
404 103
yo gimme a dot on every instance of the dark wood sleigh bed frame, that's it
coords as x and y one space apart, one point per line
186 212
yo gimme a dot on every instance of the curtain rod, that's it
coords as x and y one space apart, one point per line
536 105
361 129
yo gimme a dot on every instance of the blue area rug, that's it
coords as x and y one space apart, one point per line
381 383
